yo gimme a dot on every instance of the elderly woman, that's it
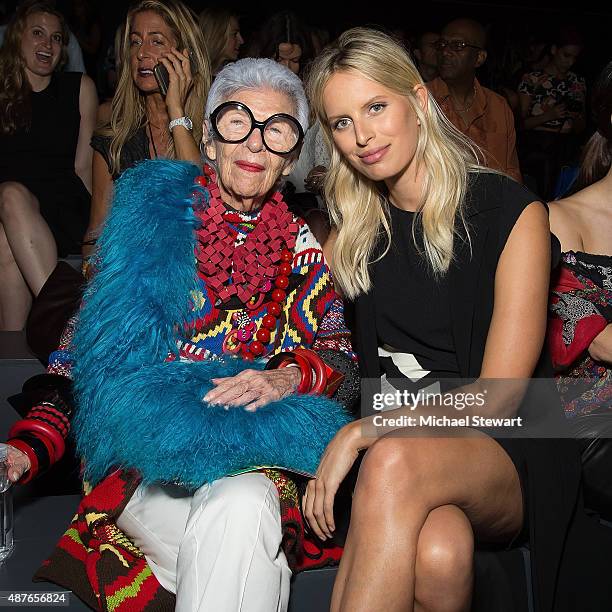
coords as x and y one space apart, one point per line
215 267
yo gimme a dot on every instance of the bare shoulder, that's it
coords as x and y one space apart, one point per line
88 87
566 220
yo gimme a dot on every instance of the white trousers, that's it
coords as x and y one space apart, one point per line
218 550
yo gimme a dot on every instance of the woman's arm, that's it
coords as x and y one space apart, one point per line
88 108
102 184
518 325
179 71
38 441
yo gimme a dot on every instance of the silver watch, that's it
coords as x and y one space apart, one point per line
184 121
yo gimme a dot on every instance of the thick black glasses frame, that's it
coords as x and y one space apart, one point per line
255 124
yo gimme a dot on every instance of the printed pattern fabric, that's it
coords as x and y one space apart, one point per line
96 560
546 90
580 308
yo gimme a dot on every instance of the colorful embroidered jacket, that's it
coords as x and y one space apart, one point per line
124 360
580 308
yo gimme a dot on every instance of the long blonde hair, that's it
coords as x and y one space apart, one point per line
357 205
128 112
15 89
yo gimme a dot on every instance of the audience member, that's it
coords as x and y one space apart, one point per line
434 250
580 324
474 110
426 55
144 124
222 35
553 112
74 56
46 121
285 38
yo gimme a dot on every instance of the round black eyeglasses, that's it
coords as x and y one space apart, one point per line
233 122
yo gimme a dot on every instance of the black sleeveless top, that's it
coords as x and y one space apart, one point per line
412 307
134 150
42 159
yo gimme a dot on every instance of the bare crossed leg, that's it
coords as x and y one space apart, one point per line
28 254
417 504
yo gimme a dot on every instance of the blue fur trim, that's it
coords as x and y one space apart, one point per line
134 409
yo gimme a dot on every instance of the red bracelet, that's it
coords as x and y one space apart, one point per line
31 425
318 367
27 450
48 445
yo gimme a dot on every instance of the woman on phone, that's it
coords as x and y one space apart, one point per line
142 123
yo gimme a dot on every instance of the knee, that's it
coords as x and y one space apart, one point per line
391 467
16 199
444 564
242 500
446 557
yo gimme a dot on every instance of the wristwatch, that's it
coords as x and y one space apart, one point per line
184 121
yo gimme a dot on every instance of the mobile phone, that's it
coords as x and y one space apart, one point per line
163 78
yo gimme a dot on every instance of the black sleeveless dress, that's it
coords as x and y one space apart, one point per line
42 158
442 326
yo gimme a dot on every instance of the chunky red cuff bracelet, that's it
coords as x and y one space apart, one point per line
327 380
317 377
42 429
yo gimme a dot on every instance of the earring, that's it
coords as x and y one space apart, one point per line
418 121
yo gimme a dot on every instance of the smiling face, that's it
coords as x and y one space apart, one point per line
150 38
41 43
373 127
247 170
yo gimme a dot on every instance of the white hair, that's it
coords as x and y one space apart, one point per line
258 73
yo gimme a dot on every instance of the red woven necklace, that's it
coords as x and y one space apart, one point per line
248 270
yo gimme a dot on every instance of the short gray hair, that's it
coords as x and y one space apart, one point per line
257 73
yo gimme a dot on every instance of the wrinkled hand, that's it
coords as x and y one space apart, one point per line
337 460
18 463
181 79
254 388
314 181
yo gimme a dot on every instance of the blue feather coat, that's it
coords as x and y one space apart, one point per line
137 410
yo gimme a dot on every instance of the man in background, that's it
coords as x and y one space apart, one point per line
475 110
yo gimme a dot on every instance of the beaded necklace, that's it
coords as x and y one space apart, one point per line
249 270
